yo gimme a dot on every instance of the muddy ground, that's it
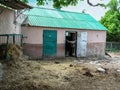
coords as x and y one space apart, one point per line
62 74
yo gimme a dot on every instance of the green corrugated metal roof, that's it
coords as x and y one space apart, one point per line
61 19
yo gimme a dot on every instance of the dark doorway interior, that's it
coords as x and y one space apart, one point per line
70 43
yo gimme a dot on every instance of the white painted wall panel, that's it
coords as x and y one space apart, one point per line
7 25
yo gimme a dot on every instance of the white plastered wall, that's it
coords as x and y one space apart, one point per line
7 25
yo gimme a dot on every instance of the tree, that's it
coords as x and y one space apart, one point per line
63 3
111 21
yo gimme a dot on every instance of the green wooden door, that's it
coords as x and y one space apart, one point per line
49 42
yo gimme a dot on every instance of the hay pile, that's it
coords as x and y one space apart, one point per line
25 75
47 75
14 52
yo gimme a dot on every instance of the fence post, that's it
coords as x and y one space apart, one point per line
111 45
6 52
13 38
21 40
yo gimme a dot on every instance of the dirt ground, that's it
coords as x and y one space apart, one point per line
62 74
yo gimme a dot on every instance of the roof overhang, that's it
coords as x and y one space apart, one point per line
15 4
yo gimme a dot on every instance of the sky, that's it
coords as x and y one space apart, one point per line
96 12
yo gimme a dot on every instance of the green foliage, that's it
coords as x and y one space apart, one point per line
63 3
56 3
25 1
111 21
40 2
113 4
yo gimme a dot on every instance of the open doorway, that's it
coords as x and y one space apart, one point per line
70 43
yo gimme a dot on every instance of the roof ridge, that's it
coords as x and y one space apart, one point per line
61 10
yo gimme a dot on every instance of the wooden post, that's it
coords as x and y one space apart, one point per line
6 51
21 40
111 45
13 38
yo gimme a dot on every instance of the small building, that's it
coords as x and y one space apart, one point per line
57 33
